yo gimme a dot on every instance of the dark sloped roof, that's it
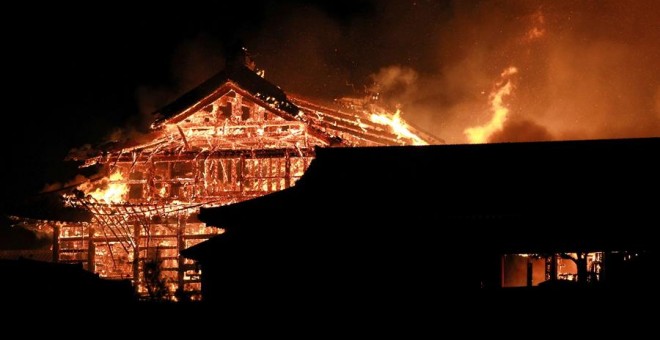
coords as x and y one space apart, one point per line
238 74
497 196
210 246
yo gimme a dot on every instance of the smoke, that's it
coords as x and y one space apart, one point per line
192 62
586 69
301 49
396 84
76 181
583 73
520 131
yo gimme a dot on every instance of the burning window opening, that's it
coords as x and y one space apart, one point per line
587 268
233 138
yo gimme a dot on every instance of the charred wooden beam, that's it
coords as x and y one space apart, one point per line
56 243
218 154
383 139
183 137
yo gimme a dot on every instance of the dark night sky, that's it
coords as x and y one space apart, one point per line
74 75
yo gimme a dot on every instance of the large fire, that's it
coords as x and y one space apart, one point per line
111 190
480 134
239 146
397 125
504 87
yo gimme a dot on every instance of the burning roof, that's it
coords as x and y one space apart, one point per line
341 122
240 77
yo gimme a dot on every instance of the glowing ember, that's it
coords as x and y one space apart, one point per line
162 192
480 134
113 191
397 125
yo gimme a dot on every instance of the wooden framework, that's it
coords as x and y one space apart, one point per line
229 145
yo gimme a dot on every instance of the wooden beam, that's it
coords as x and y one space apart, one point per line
218 154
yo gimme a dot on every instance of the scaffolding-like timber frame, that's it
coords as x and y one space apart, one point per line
229 146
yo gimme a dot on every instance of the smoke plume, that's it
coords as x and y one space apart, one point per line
586 69
192 62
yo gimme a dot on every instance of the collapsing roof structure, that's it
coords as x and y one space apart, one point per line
234 137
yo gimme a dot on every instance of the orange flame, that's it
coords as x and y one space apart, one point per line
480 134
397 125
111 190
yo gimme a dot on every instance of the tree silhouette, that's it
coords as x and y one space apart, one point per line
156 285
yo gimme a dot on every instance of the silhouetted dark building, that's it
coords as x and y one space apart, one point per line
60 286
400 224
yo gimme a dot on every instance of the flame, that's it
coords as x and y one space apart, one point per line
480 134
162 192
111 190
174 192
397 125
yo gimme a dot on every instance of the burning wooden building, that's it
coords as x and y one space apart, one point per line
233 138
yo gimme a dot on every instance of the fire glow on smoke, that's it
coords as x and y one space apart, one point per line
586 70
499 111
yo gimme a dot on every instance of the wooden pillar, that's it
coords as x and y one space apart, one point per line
240 173
168 178
271 180
91 249
180 245
56 243
551 267
530 271
604 261
287 171
136 254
